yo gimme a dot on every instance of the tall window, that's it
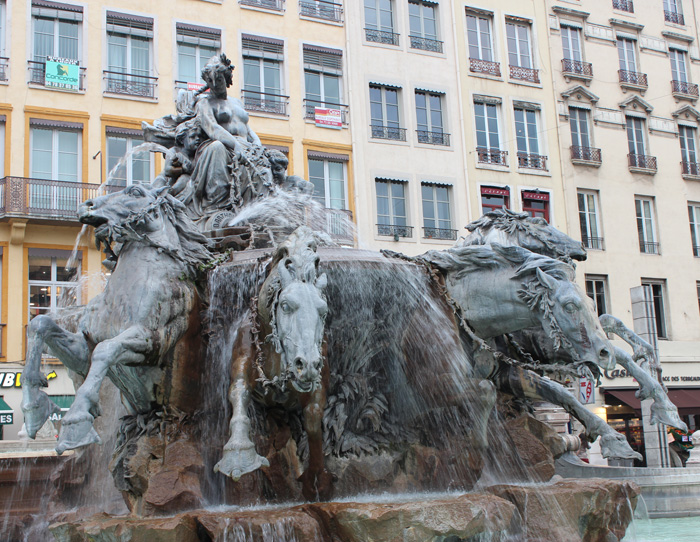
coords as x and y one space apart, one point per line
57 30
322 76
646 227
384 111
493 198
488 146
391 208
591 235
571 43
536 204
423 30
655 293
379 22
673 12
195 46
429 118
627 55
694 218
124 166
527 139
596 288
687 136
262 74
519 50
328 178
51 285
129 52
580 133
479 37
437 222
679 65
636 143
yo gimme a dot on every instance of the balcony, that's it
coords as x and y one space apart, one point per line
141 86
647 247
439 233
532 161
492 156
586 156
674 17
276 5
311 105
690 171
4 68
433 138
524 74
265 102
381 36
388 132
395 231
593 243
576 69
339 226
642 163
425 44
485 66
684 90
327 11
37 74
43 199
623 5
633 80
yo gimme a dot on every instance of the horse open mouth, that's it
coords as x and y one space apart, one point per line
100 223
303 387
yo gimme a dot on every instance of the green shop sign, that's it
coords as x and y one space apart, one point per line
62 73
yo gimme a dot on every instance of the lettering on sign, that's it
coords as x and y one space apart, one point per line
14 380
6 419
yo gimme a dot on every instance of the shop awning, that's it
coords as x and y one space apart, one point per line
63 401
682 398
627 397
6 413
4 407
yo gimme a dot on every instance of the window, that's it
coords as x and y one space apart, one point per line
623 5
697 287
322 9
687 136
596 289
423 31
636 144
488 147
323 69
57 31
694 218
680 81
55 156
654 292
527 139
4 68
646 225
262 75
391 208
379 22
429 118
124 166
572 63
328 177
437 223
51 284
481 45
673 12
536 204
195 46
493 198
591 235
520 52
384 111
129 51
277 5
629 69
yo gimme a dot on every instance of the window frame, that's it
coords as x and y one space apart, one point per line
383 128
197 39
569 43
590 219
52 283
679 59
439 223
57 37
129 165
694 220
421 16
636 135
528 137
487 120
597 289
516 40
581 118
55 152
392 216
657 290
327 197
379 27
646 224
495 192
536 196
627 55
479 45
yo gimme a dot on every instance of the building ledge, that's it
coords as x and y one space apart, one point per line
589 163
643 170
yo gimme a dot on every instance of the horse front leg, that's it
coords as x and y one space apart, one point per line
524 383
130 347
70 348
316 481
239 456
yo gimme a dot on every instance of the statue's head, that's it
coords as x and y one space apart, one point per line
218 64
188 135
278 164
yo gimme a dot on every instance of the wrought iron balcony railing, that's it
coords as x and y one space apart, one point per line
311 105
47 199
586 154
425 44
277 5
594 243
388 132
395 230
339 226
532 161
690 169
624 5
647 247
642 161
4 68
37 74
524 74
674 17
381 36
576 68
684 88
433 138
265 102
633 78
439 233
328 11
492 156
130 84
477 65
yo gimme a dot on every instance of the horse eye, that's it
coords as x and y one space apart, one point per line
570 307
285 307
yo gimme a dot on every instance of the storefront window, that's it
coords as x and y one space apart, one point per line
51 284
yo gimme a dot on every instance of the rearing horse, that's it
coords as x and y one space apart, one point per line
125 332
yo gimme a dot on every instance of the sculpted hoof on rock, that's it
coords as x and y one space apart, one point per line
240 460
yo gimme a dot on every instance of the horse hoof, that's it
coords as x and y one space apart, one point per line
237 462
76 435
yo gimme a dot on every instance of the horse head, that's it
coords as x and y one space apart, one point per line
296 312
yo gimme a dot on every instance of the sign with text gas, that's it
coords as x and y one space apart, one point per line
62 73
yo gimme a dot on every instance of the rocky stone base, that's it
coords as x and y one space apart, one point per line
594 510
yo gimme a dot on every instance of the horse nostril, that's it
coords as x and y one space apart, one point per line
604 353
299 364
88 203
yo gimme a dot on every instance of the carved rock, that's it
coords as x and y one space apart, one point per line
106 529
